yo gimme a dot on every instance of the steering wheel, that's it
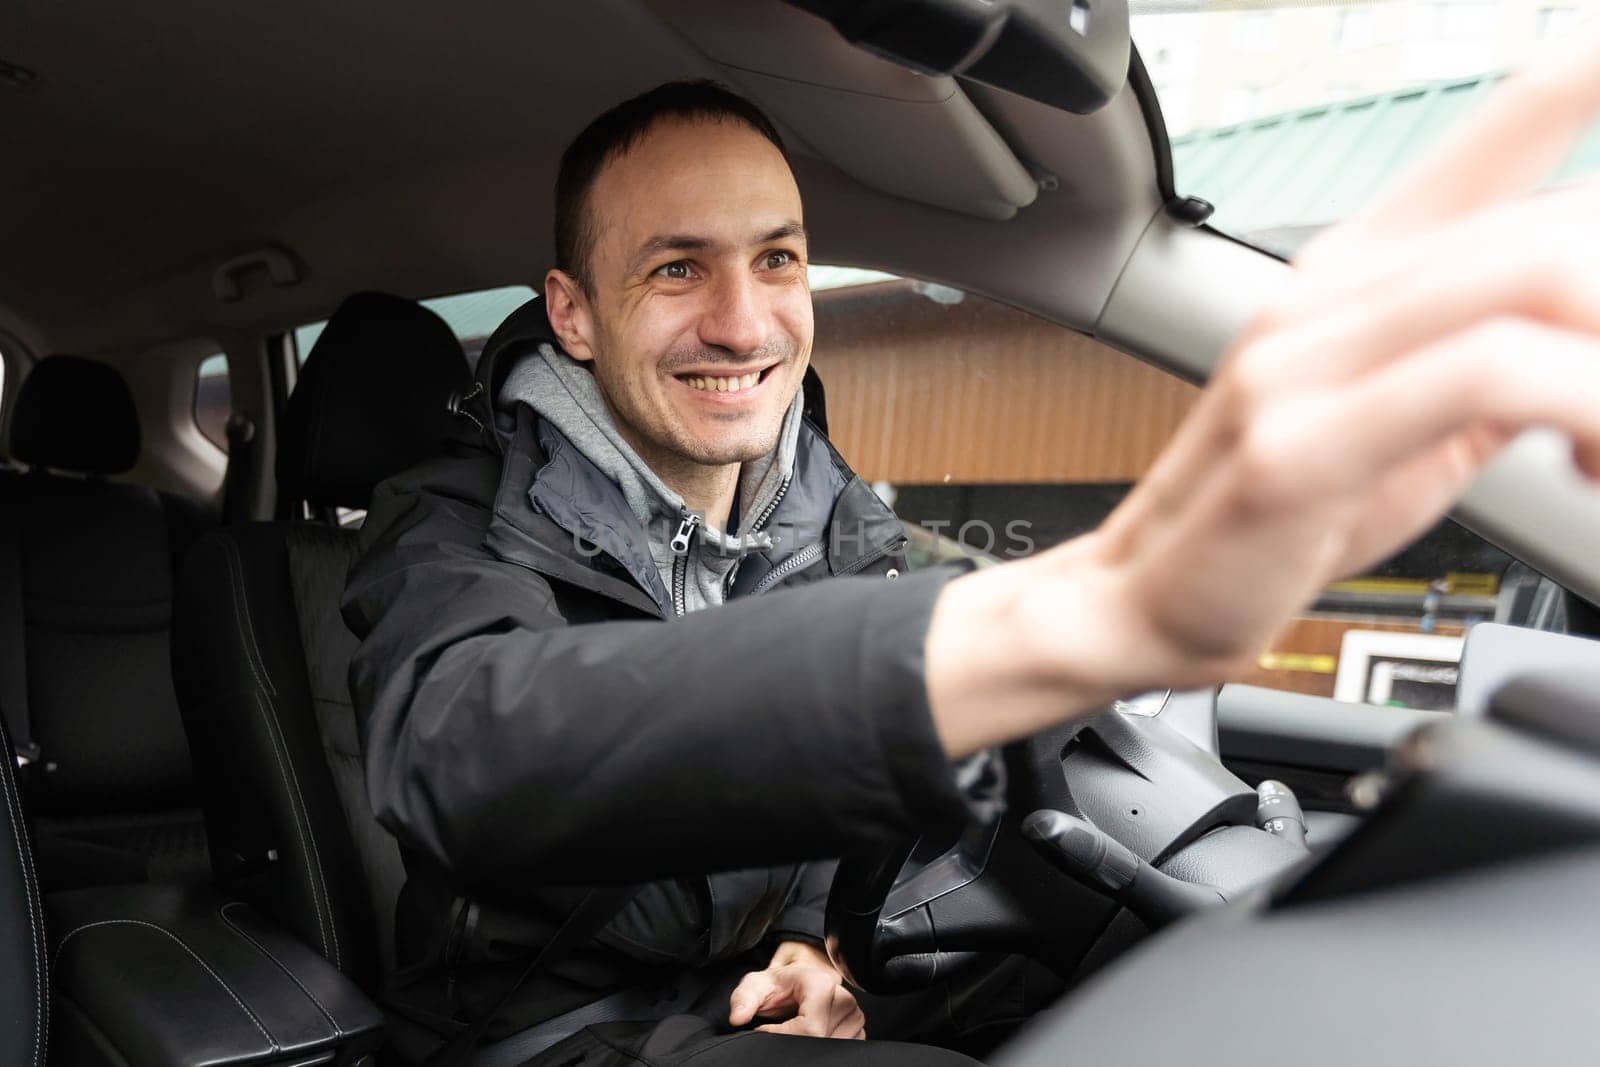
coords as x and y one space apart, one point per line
1127 802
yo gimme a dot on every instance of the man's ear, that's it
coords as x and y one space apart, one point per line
567 306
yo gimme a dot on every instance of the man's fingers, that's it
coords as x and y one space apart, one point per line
808 991
824 1007
799 1026
850 1026
1511 374
848 1022
1404 441
803 1024
1396 296
1411 497
756 993
1520 133
1301 481
1407 348
814 989
856 1030
1442 287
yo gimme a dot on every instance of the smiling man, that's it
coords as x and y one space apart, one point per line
648 458
572 672
683 305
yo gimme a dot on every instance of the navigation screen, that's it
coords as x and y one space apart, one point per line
1412 683
1402 670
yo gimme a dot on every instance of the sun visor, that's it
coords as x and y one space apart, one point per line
907 134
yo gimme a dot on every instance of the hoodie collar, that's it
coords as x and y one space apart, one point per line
825 498
564 393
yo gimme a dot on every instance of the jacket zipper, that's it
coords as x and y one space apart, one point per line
777 498
814 552
797 562
761 520
682 542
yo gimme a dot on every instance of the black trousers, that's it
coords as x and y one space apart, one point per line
692 1040
974 1011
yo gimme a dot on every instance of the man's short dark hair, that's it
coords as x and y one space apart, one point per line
618 130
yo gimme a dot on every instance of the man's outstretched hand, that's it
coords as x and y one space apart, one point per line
1410 345
803 992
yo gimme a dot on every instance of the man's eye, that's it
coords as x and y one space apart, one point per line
777 260
678 270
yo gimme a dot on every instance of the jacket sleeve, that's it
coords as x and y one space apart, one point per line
803 919
515 749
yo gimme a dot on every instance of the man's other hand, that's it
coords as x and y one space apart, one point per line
801 989
1408 347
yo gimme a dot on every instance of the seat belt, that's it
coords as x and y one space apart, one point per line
627 1005
596 909
13 636
240 476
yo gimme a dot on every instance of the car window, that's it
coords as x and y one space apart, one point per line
472 316
1288 116
213 399
982 424
995 434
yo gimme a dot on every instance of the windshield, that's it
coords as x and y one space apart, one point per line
1288 115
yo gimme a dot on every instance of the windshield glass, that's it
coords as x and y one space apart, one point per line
1288 115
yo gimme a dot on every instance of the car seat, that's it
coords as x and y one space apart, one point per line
86 587
261 653
25 1022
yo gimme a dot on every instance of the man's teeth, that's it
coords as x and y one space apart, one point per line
724 385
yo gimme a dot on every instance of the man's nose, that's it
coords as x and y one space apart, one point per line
736 318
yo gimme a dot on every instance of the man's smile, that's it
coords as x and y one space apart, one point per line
727 384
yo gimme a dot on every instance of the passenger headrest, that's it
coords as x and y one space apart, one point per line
75 414
371 400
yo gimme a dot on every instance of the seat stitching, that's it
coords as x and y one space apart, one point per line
327 931
241 615
35 930
226 988
302 829
259 947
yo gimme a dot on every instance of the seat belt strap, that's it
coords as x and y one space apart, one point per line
239 478
596 909
628 1005
13 632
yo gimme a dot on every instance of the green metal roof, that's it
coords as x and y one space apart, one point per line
1278 179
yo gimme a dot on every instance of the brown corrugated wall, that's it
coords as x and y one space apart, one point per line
923 392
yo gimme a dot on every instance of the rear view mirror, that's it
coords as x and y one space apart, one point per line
1070 54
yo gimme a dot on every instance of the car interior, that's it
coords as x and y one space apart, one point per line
237 239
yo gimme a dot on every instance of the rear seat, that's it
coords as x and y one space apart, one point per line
86 579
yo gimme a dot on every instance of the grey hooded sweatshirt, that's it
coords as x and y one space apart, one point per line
696 561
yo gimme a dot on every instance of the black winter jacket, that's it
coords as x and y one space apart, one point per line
532 726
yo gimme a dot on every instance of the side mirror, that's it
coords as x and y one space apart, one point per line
1070 54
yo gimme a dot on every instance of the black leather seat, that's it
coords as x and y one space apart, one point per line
86 579
24 1024
261 653
179 976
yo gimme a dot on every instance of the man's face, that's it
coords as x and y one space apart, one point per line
698 320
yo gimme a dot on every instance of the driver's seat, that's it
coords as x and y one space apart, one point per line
260 653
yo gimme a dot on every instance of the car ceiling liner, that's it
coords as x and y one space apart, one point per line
1069 54
894 125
